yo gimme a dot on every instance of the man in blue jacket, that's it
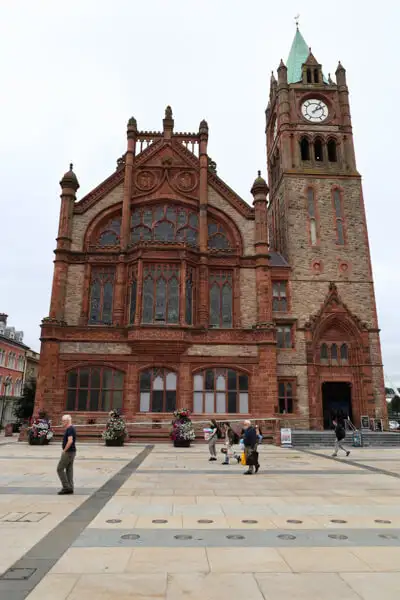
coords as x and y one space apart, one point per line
250 442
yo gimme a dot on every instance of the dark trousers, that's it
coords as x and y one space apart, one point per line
65 470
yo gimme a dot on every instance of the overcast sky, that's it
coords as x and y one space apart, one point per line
73 72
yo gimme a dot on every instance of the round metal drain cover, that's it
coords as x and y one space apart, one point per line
183 537
114 521
388 536
335 536
159 521
205 521
249 521
338 521
295 521
235 537
130 536
386 522
286 536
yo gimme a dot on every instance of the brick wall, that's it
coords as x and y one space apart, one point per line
94 348
248 298
74 293
222 350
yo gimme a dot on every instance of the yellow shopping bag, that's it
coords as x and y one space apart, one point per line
243 459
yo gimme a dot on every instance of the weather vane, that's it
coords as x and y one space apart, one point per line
297 17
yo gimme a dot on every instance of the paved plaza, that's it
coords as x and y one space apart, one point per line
152 522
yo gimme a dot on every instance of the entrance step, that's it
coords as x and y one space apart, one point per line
326 439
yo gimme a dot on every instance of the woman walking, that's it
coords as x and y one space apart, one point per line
212 435
250 442
231 438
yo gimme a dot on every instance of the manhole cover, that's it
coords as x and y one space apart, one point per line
235 537
388 536
130 536
159 521
338 521
249 521
114 521
286 536
205 521
295 521
183 537
18 574
334 536
383 521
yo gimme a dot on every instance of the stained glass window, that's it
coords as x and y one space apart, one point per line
94 389
166 224
161 294
221 299
110 234
189 293
217 237
132 298
158 390
101 296
221 390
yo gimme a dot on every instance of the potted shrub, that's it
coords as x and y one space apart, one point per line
115 432
40 433
182 433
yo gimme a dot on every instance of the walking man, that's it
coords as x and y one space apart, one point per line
250 448
65 469
340 433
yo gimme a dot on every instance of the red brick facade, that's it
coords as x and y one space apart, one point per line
164 269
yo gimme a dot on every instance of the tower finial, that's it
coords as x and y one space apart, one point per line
71 166
297 17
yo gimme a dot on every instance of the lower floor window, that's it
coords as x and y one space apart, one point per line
94 389
158 390
285 397
221 391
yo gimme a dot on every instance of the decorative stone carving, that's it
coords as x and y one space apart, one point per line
145 180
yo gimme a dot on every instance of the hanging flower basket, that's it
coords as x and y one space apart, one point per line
40 433
115 432
182 433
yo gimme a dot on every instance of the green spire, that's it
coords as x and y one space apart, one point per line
297 57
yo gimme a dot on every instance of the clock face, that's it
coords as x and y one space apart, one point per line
314 111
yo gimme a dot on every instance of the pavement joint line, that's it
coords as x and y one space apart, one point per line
44 555
352 463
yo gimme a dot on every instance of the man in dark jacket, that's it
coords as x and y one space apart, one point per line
250 442
340 433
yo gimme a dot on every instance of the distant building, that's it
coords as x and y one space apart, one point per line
32 366
12 367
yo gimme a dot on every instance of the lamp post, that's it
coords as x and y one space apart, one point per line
6 386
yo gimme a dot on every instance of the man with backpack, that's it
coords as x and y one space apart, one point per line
340 433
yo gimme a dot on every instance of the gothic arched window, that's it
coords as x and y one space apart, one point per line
166 224
157 390
221 390
221 299
332 151
334 352
217 237
318 150
309 76
344 353
101 296
312 216
132 296
161 294
316 76
324 352
94 389
304 149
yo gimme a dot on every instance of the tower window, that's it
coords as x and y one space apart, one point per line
304 149
284 337
324 352
309 76
318 151
316 76
312 216
279 296
339 217
332 152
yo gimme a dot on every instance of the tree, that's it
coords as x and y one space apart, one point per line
394 405
23 406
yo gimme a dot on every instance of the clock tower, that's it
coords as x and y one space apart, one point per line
317 222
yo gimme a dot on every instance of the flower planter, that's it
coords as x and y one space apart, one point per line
116 442
38 441
182 443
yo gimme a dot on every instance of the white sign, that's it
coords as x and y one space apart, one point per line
286 438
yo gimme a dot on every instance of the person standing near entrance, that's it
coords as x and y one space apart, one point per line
250 442
340 433
65 469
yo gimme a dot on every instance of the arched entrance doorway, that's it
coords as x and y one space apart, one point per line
336 401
